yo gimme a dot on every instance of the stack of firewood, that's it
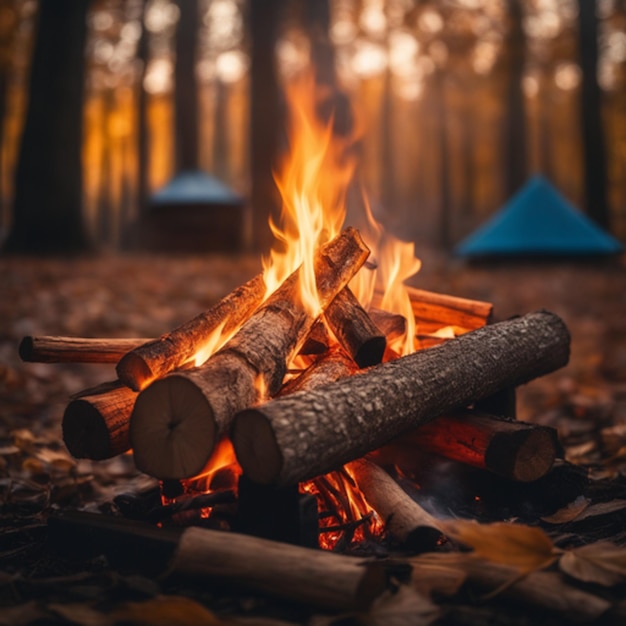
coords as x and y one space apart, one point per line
345 405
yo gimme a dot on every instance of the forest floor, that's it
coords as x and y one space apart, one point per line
144 296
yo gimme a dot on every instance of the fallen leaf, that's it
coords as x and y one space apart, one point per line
569 512
524 547
166 611
81 614
602 563
406 607
602 508
437 579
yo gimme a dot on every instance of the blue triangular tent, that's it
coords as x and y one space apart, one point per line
538 220
195 187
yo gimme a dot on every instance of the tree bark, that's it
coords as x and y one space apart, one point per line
160 356
594 149
47 349
300 436
96 426
177 419
47 211
186 88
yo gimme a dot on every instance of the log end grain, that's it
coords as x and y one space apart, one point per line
525 456
133 371
25 349
172 430
371 351
85 432
252 433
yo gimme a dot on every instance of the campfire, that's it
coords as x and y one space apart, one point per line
309 389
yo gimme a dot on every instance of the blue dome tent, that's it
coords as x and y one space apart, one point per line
538 221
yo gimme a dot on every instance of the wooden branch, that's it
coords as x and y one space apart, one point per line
355 330
515 450
177 419
297 437
96 426
303 575
47 349
160 356
404 519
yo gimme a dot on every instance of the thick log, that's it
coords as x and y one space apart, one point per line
312 577
515 450
160 356
49 349
404 519
354 329
297 437
96 426
177 420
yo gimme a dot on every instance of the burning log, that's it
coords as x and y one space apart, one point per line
302 435
313 577
95 426
160 356
434 310
48 349
391 325
515 450
405 520
355 330
334 365
177 419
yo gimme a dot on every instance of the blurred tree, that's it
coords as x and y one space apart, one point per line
47 211
265 122
515 153
186 90
8 25
143 159
594 149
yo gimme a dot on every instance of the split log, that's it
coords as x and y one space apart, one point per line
297 437
434 310
515 450
47 349
160 356
317 341
404 519
96 426
355 330
312 577
177 420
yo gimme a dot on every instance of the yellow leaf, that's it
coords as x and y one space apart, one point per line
519 546
602 563
166 611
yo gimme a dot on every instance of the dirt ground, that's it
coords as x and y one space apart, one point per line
144 296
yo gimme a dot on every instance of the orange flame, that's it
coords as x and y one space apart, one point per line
312 182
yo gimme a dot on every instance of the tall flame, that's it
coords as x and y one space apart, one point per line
312 182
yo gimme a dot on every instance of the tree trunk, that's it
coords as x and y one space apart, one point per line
264 117
516 162
143 158
596 203
186 89
47 212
